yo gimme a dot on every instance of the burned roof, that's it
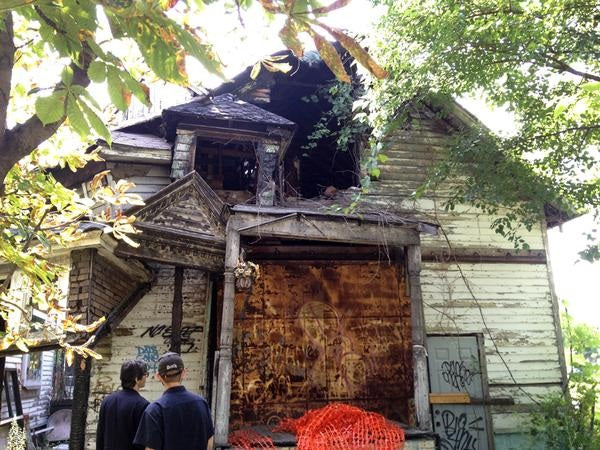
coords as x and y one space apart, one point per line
228 107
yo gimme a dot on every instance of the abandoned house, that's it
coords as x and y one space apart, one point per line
397 306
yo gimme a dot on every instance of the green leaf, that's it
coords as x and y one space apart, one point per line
76 118
67 76
52 108
140 90
96 122
591 87
97 71
116 88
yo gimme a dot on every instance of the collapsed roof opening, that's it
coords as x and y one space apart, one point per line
308 172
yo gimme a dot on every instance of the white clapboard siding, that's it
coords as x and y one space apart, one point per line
35 402
515 300
516 305
148 178
127 342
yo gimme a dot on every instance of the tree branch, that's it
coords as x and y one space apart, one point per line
24 138
564 67
7 56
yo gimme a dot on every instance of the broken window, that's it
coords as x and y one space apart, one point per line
227 166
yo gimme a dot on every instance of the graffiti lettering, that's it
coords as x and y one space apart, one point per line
456 374
188 342
148 354
457 433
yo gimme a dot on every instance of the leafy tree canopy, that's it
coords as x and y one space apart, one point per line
37 213
537 59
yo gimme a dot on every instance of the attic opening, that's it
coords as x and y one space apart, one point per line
314 161
227 166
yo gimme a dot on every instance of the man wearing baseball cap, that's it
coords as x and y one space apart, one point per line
179 419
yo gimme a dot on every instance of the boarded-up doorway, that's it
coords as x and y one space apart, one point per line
313 333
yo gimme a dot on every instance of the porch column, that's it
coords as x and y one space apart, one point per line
232 252
81 394
420 369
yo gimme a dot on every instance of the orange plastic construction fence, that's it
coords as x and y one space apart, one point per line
340 426
250 440
334 427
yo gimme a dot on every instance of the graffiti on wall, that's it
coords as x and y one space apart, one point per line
456 374
311 334
188 340
457 432
148 354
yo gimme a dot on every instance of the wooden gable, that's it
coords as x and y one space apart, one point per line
187 206
183 224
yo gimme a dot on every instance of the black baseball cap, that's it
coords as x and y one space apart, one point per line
170 364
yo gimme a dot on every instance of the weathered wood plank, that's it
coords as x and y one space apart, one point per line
177 313
139 155
324 229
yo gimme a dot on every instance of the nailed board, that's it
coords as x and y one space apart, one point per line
312 334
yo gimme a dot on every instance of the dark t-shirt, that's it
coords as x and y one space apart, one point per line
178 420
120 415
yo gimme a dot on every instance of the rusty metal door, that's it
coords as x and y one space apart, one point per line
313 333
457 391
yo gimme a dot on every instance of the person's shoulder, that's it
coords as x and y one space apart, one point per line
154 407
195 396
111 397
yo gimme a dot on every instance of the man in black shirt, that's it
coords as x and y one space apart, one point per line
121 411
179 419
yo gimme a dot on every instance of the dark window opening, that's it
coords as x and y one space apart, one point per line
227 166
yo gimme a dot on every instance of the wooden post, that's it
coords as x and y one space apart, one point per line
81 393
420 369
232 251
177 312
267 155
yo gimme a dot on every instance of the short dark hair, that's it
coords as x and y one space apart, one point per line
131 371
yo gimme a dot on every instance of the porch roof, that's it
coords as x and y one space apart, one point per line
322 211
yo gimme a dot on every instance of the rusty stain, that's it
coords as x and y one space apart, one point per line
312 334
123 332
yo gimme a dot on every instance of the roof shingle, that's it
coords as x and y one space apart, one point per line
227 107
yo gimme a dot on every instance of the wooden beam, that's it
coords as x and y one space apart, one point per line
319 252
222 134
420 368
232 252
556 316
177 312
133 154
323 228
81 393
483 255
443 398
